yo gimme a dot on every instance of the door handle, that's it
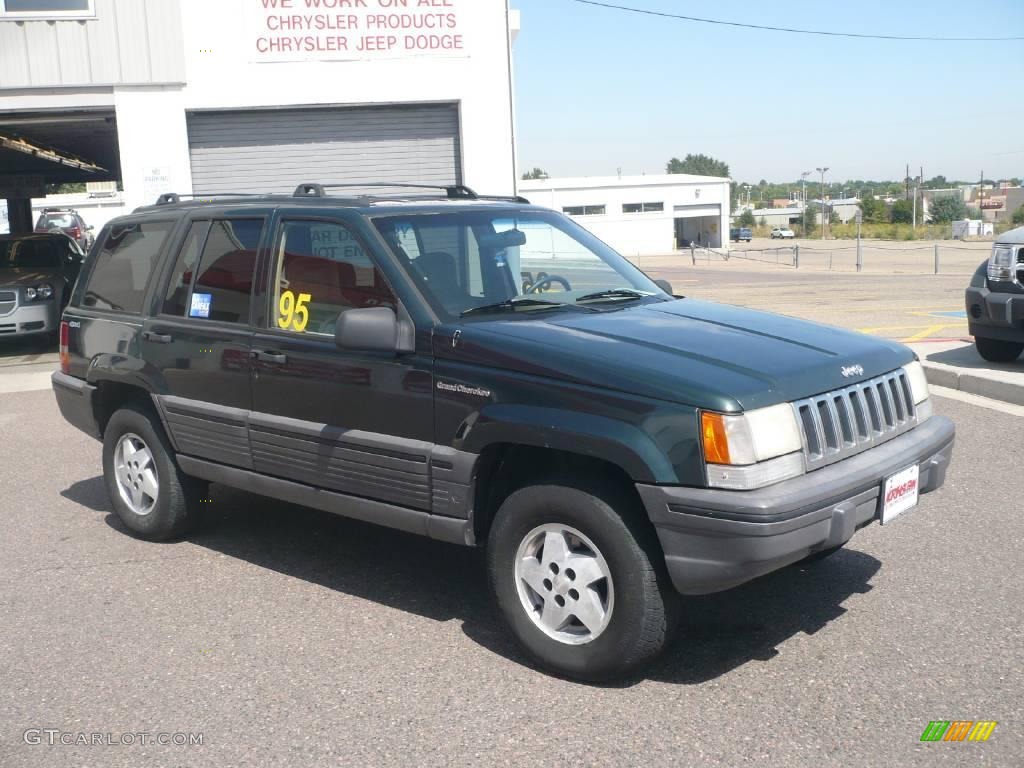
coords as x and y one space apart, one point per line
157 338
269 357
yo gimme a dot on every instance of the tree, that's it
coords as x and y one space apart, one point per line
936 182
1018 216
902 212
746 219
874 211
943 210
698 165
809 219
762 222
536 173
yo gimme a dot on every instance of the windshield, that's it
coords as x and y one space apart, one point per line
30 254
531 260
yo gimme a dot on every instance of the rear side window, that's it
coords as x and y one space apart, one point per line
176 296
222 288
123 264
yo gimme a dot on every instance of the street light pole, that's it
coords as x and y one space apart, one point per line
803 198
822 171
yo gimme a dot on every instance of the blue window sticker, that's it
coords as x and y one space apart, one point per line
200 305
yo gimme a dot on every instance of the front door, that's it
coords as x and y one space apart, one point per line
200 335
356 422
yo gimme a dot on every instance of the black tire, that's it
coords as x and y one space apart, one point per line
645 608
997 350
175 509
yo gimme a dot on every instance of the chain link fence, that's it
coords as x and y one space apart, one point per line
953 258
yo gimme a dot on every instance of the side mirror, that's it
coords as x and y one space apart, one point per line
375 329
665 285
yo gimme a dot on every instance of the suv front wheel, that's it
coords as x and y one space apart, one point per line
997 350
580 579
150 494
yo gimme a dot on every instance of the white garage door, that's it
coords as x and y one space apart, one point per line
276 150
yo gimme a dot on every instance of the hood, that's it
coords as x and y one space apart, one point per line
11 277
703 354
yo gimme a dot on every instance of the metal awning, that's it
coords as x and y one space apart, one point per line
49 154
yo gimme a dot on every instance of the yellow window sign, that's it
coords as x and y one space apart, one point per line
293 313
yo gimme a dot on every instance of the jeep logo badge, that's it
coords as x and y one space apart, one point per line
852 370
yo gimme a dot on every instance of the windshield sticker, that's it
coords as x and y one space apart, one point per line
200 305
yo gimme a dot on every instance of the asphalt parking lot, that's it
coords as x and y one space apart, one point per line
291 637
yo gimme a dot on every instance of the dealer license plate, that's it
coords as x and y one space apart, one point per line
900 493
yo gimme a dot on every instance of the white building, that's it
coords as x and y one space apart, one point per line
211 96
641 215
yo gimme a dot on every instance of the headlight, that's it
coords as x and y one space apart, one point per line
919 390
752 449
30 294
1000 263
44 291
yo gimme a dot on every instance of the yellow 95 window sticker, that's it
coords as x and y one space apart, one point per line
293 314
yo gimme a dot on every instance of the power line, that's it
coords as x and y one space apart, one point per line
792 30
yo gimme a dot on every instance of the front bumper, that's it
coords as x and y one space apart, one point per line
714 539
995 315
25 319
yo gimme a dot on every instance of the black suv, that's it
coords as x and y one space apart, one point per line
384 358
995 300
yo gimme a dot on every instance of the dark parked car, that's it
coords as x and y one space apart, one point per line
384 359
37 273
67 221
741 233
995 300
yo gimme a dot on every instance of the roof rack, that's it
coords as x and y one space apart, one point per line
170 198
452 191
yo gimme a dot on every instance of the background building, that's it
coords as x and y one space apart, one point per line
237 95
641 215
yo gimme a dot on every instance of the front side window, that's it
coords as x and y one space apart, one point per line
222 289
123 264
321 270
47 9
522 260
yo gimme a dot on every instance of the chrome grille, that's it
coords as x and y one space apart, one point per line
8 301
844 422
1019 266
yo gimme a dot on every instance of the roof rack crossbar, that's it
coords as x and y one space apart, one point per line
454 191
170 198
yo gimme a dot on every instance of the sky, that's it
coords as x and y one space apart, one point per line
598 90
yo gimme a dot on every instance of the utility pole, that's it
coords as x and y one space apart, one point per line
822 171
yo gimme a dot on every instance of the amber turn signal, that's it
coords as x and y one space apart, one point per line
716 444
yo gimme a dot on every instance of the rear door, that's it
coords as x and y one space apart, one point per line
200 335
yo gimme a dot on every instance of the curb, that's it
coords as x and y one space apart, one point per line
948 376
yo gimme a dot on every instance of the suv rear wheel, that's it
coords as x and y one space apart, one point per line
997 350
581 580
151 495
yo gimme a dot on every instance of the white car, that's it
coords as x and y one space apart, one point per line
782 233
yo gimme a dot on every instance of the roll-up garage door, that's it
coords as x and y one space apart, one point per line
275 150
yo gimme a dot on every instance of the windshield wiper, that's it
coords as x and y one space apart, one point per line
510 305
614 293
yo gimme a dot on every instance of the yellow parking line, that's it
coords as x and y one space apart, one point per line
931 329
909 327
